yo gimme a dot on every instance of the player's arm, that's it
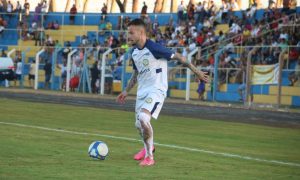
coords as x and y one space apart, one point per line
133 80
201 75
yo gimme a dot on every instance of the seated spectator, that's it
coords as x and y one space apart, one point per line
294 76
102 27
55 25
3 53
73 12
108 26
3 24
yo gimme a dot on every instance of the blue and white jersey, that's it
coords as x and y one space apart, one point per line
152 66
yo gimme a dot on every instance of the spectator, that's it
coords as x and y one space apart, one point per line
19 10
3 54
294 76
56 25
9 8
201 89
37 13
144 10
2 25
26 8
18 71
73 12
39 36
104 11
48 72
95 72
63 76
180 11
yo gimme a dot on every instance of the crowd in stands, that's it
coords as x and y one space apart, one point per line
195 28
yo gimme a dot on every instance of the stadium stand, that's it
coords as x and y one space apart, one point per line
234 35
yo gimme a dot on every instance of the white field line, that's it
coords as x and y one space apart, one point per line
157 144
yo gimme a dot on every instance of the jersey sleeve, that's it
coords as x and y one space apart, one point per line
159 51
131 59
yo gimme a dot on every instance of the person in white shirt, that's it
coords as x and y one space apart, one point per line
9 9
150 73
18 71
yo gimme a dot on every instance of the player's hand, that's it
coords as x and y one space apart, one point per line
203 76
121 97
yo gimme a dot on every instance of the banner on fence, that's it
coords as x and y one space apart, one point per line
265 74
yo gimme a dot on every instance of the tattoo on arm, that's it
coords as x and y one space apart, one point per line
132 81
185 62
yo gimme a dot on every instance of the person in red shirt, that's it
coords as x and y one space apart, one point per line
73 12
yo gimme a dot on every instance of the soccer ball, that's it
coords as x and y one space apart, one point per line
98 150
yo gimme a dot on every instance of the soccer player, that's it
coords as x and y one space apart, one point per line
150 73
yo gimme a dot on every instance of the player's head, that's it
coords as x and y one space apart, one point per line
136 30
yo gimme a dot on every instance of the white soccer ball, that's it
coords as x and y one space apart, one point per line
98 150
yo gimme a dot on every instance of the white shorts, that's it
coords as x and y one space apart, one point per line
152 102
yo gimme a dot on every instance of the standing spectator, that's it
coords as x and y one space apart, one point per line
144 10
18 71
9 9
285 6
63 70
31 76
180 11
73 12
44 6
48 72
104 11
26 8
201 89
37 13
19 10
39 36
95 76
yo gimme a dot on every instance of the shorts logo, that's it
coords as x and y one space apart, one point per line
148 100
145 62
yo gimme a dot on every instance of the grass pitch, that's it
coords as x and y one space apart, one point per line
50 141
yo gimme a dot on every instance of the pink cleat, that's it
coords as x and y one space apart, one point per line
141 155
147 162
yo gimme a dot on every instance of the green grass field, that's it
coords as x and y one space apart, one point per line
48 141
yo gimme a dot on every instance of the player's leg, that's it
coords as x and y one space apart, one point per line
147 133
142 153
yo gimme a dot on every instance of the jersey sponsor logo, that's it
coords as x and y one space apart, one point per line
145 71
149 100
